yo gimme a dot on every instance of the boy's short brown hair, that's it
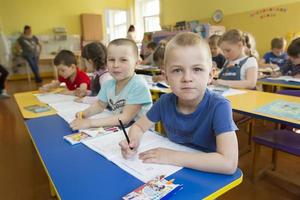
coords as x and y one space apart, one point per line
294 48
187 39
151 45
65 57
278 43
125 42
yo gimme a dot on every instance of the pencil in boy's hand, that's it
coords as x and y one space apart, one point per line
124 131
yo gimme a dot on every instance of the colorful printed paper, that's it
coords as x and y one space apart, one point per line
282 108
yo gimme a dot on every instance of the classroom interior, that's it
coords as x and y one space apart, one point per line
59 25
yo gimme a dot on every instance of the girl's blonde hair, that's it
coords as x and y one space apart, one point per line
250 44
232 36
235 36
187 39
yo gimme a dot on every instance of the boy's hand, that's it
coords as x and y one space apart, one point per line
43 89
80 115
157 155
128 151
274 66
155 78
297 76
80 93
275 74
80 124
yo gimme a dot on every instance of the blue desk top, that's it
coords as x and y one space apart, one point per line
80 173
283 83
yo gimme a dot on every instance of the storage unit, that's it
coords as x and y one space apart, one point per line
91 27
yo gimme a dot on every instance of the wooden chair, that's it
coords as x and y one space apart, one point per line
249 121
158 126
278 140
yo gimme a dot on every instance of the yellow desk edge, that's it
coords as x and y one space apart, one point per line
224 189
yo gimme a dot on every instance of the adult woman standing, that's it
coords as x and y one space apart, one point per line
31 49
131 33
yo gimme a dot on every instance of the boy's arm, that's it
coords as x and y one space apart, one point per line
297 76
262 64
82 90
127 115
135 134
129 112
80 123
248 83
46 88
95 108
223 161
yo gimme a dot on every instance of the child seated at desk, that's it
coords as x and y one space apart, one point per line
292 67
276 57
127 94
94 57
216 53
240 70
158 59
77 81
192 115
150 48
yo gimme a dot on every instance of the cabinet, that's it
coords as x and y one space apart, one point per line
91 27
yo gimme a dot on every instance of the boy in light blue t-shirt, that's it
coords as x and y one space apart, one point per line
192 115
127 94
135 92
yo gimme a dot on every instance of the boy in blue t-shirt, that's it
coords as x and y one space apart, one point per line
292 67
191 115
127 94
277 57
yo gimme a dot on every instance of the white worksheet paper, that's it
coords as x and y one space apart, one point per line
108 146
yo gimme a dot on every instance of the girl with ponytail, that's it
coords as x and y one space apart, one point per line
240 69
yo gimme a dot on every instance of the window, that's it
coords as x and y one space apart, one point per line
116 24
147 17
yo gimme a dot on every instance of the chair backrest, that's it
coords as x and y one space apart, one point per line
290 92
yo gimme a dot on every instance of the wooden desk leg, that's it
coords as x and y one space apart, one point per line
250 131
274 159
274 89
52 190
255 159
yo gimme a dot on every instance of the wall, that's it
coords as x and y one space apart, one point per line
46 14
178 10
283 24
